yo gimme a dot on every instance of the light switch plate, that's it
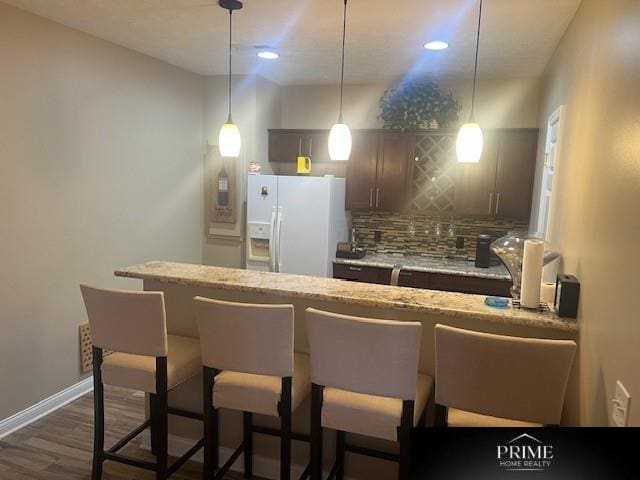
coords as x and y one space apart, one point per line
621 404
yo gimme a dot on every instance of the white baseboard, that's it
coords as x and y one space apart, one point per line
45 407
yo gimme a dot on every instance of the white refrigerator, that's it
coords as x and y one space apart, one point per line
294 223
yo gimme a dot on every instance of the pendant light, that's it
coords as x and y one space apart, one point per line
469 143
229 140
340 135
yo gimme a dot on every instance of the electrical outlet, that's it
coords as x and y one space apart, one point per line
377 236
621 404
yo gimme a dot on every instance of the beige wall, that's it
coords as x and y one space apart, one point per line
499 103
100 167
595 72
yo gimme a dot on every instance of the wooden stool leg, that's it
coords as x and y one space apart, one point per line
210 424
404 437
153 415
285 429
98 415
340 446
403 469
316 432
442 413
162 403
247 428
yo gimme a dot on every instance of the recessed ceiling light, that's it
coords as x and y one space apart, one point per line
436 45
268 55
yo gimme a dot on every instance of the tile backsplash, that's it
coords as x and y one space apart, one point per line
418 233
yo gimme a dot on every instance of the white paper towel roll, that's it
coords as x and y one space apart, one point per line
547 292
531 273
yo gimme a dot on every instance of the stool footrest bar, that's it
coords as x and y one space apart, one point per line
392 457
130 436
302 437
305 473
225 468
119 458
185 458
332 473
185 413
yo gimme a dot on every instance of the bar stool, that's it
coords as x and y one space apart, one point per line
486 380
133 326
249 365
365 380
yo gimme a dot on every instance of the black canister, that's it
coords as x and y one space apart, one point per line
483 251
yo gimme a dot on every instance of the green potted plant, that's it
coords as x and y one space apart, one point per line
418 104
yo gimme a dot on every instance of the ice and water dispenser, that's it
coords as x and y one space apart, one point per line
259 234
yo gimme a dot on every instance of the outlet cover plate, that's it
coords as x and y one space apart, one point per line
621 404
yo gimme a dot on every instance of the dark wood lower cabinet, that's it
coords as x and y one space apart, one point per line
455 283
427 280
362 274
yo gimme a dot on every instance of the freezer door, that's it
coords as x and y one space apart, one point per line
262 201
302 225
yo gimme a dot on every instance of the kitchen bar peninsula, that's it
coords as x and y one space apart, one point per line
181 282
313 289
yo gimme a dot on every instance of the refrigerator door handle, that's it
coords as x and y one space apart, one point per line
272 241
279 239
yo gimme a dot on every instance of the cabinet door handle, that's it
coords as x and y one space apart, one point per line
497 202
310 144
490 203
377 197
355 269
299 146
371 197
406 274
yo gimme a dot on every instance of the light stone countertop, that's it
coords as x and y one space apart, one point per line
431 264
452 304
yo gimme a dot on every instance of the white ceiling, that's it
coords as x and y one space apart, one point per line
384 37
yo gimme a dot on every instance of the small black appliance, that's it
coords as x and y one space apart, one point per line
567 296
483 251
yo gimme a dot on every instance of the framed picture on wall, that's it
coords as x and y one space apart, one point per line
223 194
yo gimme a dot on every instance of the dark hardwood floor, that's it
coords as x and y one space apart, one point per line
59 446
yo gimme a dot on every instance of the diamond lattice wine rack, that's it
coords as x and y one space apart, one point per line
434 172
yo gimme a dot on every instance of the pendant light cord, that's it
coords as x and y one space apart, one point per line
475 68
230 30
344 34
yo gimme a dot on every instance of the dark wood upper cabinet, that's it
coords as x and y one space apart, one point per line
284 146
317 146
516 158
476 181
391 172
377 171
387 170
361 171
501 184
287 145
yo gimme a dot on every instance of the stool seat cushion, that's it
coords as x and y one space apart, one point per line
138 372
261 393
462 418
370 415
